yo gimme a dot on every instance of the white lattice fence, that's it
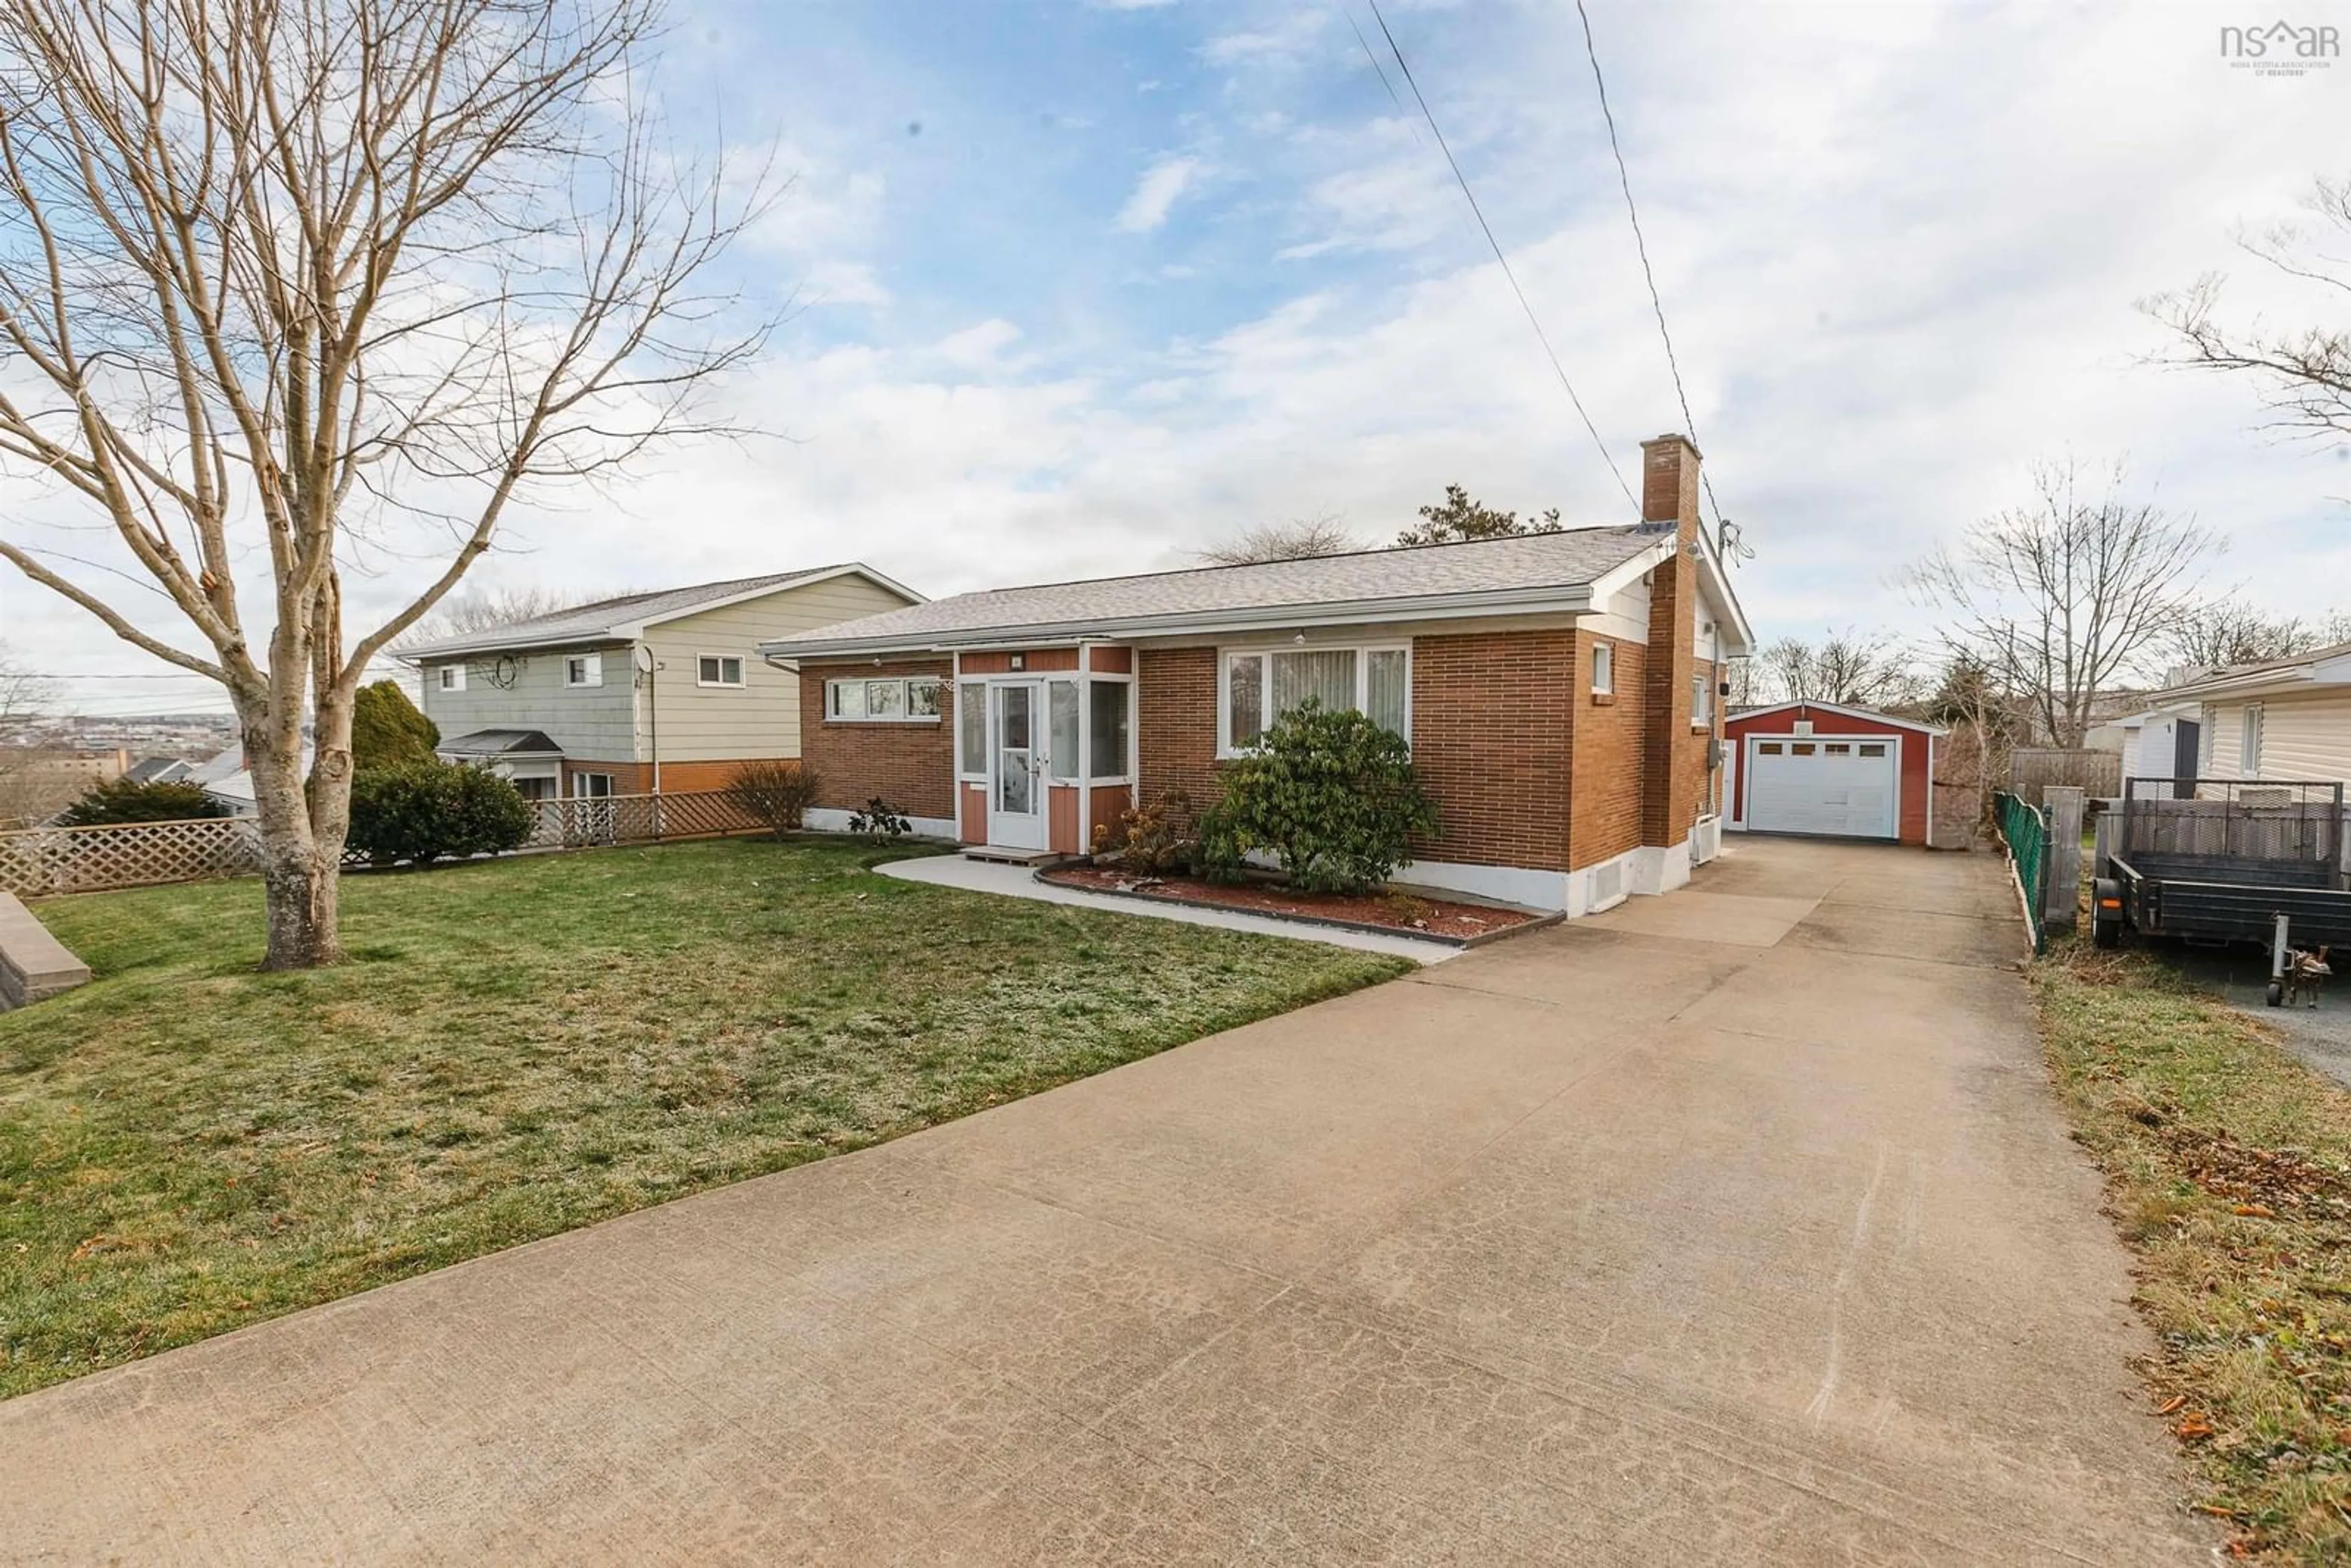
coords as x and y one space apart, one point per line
44 861
126 854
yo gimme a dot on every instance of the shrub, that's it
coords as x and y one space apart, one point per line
879 824
126 800
1331 794
1148 840
774 794
387 730
425 811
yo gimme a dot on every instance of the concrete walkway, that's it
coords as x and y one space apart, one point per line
1736 1227
1019 881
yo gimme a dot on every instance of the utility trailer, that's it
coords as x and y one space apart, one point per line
2213 861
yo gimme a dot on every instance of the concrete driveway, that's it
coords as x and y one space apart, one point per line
1731 1226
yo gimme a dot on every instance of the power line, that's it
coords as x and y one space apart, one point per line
1641 243
1405 68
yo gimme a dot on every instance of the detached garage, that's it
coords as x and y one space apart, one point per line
1841 772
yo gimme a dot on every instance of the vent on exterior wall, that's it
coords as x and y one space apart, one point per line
1607 884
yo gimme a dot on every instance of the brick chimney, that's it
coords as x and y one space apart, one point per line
1673 754
1669 484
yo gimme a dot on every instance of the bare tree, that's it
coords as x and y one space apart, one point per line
486 610
1851 668
1300 539
2230 632
2303 374
2058 600
282 281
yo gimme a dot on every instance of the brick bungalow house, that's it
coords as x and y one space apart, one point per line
1560 692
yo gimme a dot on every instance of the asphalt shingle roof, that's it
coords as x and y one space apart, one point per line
607 618
501 743
1525 563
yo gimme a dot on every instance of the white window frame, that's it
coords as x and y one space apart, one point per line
580 789
590 667
974 689
721 660
1266 653
1604 654
833 714
1702 699
2249 724
449 677
1086 728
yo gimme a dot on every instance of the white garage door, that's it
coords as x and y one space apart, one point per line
1816 784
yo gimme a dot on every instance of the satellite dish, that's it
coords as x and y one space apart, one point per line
645 659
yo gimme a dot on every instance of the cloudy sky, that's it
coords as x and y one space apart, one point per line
1082 289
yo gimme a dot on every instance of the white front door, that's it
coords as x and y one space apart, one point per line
1016 765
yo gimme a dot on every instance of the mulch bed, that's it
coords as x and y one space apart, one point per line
1407 914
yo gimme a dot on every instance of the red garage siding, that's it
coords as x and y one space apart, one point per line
1917 761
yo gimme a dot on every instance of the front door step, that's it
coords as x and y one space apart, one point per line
1004 856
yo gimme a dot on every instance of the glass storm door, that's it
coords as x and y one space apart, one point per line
1016 783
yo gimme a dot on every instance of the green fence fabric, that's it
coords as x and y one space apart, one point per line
2024 830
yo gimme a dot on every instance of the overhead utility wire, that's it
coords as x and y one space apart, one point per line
1641 243
1614 471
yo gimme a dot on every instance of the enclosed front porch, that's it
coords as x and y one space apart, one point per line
1044 746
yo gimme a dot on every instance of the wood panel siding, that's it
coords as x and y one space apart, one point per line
1034 661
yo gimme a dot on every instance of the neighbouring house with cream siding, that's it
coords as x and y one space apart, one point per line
650 691
2286 720
707 715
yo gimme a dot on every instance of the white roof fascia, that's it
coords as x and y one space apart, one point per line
637 629
1868 714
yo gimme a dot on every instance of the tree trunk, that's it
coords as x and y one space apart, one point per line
301 844
301 890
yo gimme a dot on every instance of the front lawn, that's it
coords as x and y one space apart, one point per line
523 1047
2228 1170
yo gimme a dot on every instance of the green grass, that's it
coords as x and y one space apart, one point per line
2228 1170
519 1047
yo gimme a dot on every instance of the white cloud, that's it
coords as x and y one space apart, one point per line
977 348
843 283
1155 192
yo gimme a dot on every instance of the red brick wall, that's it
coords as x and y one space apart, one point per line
1491 722
911 766
1606 782
1175 723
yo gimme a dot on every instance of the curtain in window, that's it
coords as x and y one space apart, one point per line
1062 707
1245 698
971 725
848 699
1387 686
1106 738
1327 674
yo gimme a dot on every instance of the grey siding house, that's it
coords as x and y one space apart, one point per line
650 691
